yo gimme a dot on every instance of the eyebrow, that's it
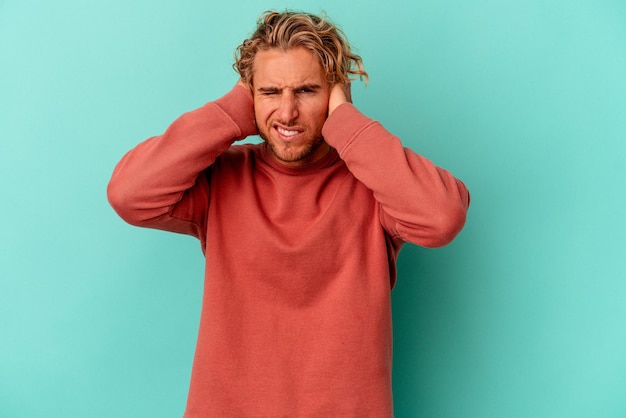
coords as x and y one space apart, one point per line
313 87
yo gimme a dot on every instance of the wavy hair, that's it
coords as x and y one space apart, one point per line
292 29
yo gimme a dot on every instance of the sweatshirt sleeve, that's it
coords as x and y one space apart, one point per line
160 183
421 203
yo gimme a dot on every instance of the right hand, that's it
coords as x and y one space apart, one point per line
250 111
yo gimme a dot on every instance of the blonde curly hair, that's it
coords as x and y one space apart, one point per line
294 29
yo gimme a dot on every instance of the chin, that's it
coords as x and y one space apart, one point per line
290 155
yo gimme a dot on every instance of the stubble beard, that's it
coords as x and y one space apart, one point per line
287 154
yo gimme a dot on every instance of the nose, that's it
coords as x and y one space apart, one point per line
288 110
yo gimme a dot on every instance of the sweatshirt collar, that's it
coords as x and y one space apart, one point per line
326 161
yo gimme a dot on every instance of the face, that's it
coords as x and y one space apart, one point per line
291 104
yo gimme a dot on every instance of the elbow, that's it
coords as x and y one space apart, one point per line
437 228
447 225
451 216
123 202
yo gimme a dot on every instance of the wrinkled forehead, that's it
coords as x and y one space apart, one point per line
289 68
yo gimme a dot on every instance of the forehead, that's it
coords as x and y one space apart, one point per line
287 68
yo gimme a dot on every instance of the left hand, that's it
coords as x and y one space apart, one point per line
339 93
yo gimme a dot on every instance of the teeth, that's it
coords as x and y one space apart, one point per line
286 132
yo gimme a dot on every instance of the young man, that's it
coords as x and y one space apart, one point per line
300 232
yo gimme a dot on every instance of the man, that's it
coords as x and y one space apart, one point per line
300 232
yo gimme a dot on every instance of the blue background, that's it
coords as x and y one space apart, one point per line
524 315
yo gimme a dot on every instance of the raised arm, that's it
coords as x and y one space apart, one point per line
158 184
421 203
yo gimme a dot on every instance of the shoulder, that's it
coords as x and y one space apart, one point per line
240 152
237 157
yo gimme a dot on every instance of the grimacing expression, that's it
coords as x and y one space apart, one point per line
291 95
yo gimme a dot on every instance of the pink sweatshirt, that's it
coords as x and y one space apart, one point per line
300 262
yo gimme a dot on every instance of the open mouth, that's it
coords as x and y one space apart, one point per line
287 133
